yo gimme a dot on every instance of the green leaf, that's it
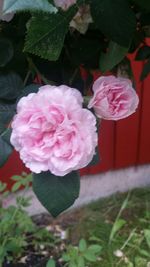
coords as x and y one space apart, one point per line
140 262
112 57
116 227
81 261
66 257
90 256
51 263
26 5
12 245
32 88
96 158
56 193
82 245
2 186
46 34
95 239
145 19
143 53
16 178
144 252
6 51
72 264
6 114
146 70
10 86
6 193
115 19
5 146
130 264
16 186
73 252
84 50
95 248
147 236
3 253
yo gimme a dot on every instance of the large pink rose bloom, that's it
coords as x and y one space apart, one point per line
114 98
64 4
53 132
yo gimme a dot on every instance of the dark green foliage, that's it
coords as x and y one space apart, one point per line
6 51
5 146
82 254
144 4
128 215
143 53
113 56
56 193
7 112
18 233
32 88
10 86
84 50
115 19
50 34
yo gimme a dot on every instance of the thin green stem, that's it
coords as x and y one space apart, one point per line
27 77
128 239
32 66
124 204
73 76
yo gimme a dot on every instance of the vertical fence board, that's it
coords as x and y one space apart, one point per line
14 166
144 142
127 130
106 149
126 142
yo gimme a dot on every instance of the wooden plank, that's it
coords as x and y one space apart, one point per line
144 133
14 166
127 130
144 142
106 149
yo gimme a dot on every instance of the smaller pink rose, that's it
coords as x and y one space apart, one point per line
114 98
64 4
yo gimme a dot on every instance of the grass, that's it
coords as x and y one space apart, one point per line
121 225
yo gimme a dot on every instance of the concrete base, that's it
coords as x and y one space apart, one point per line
98 186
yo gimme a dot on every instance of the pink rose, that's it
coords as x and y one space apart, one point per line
64 4
53 132
114 98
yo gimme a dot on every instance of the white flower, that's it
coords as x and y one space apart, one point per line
118 253
82 19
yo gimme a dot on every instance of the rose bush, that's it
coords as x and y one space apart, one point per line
66 42
53 132
114 98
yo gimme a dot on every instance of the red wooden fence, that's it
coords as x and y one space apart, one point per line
121 144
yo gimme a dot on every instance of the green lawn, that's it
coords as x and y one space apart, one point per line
121 225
